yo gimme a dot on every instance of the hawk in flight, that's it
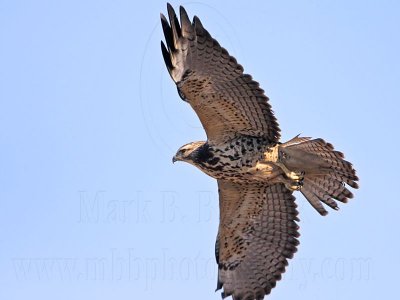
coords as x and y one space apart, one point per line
256 173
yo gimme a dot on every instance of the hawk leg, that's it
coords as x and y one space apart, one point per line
272 172
294 175
297 177
293 185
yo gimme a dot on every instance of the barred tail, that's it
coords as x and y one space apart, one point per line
326 173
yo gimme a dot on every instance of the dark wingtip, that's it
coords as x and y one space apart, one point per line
167 57
167 32
198 26
176 29
170 10
186 25
182 9
183 14
197 22
163 19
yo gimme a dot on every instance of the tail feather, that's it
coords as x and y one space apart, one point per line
326 171
314 201
346 178
326 188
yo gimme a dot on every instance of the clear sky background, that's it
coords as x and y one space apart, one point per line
91 206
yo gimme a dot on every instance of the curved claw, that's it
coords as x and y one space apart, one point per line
298 180
298 185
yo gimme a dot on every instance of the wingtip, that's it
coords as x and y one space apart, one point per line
186 25
199 28
182 12
162 17
170 9
167 57
163 46
174 23
167 32
197 21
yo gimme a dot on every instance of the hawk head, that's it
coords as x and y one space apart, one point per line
189 152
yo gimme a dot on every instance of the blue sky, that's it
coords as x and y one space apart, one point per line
91 206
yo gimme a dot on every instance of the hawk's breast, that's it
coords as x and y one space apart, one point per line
230 161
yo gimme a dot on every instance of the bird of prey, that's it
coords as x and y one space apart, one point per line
256 173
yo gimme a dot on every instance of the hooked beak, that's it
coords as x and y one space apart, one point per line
174 159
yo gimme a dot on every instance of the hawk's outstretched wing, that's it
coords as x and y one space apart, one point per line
228 102
256 236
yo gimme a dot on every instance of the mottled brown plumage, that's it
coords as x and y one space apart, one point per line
256 236
227 101
256 173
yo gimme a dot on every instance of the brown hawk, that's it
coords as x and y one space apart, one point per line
256 174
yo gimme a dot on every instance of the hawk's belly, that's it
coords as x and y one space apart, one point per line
260 171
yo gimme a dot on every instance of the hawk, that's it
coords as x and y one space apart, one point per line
256 173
